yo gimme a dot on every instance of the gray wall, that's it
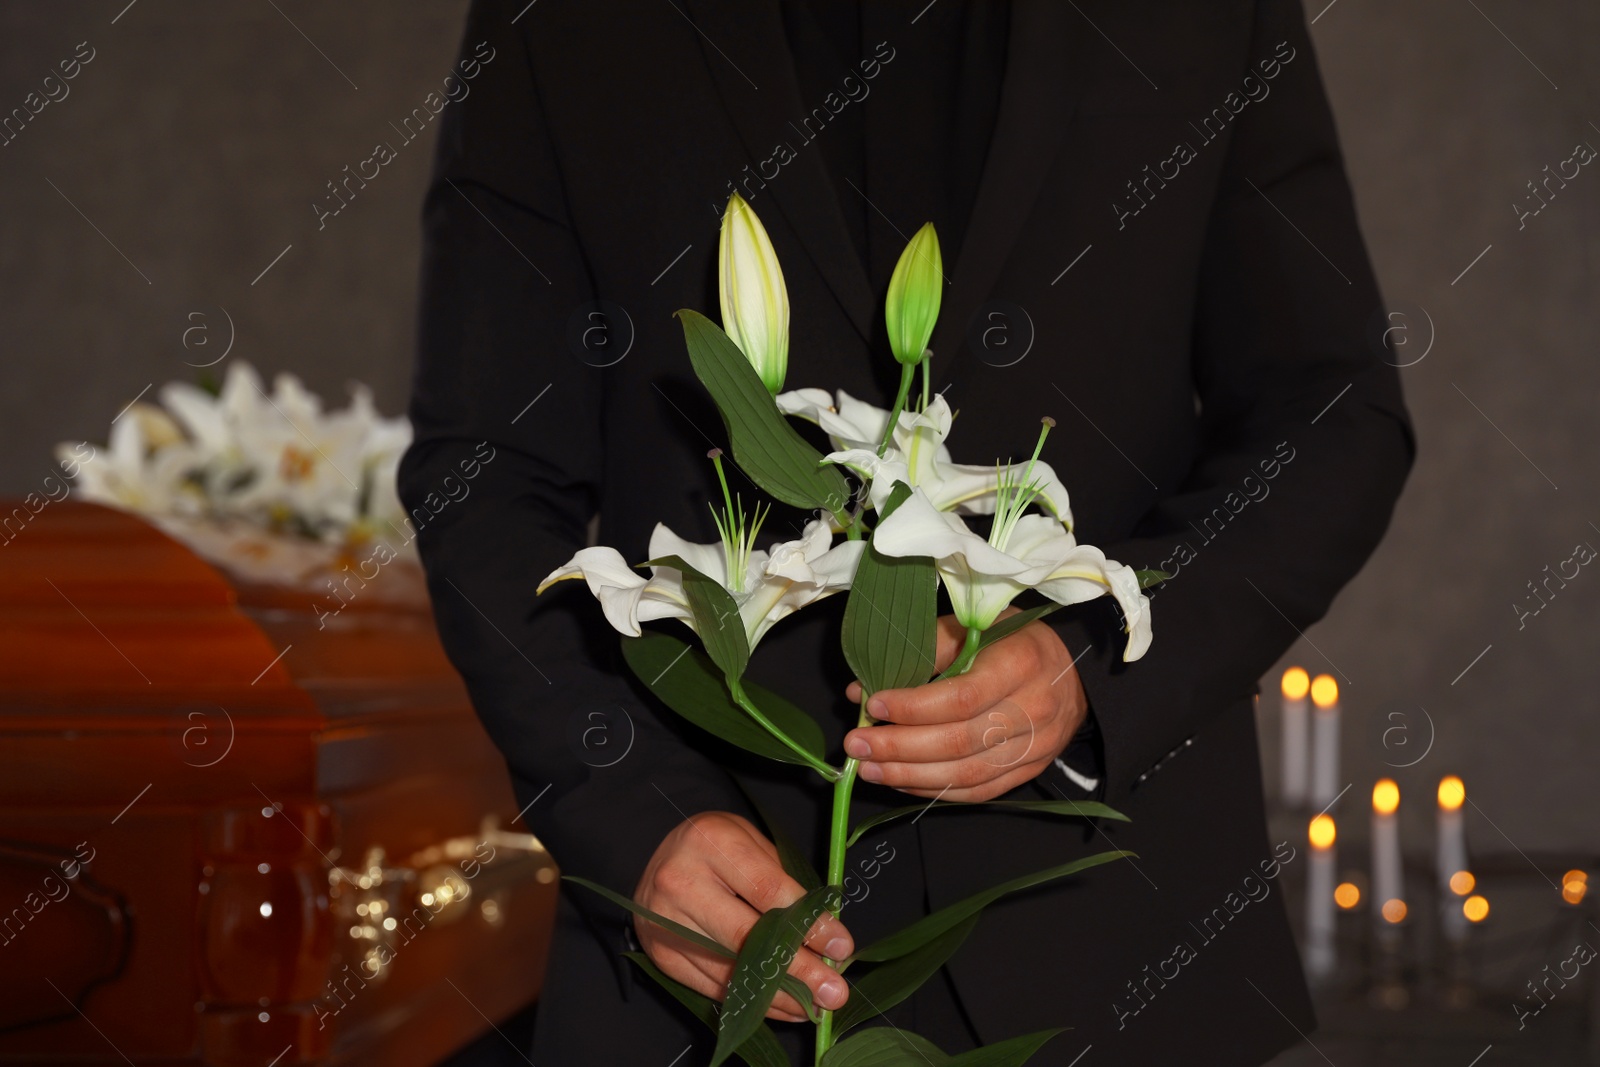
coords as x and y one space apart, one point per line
199 136
1443 122
196 141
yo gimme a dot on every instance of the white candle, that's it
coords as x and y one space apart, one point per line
1451 855
1320 954
1324 742
1296 739
1388 892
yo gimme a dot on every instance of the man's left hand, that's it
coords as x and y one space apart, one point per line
980 734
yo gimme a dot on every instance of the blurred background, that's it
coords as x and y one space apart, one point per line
161 212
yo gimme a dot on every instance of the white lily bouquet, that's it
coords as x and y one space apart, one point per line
270 485
904 534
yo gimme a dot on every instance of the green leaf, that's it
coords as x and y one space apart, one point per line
885 1046
716 617
925 929
887 984
1012 1053
764 445
761 1048
795 862
890 618
1088 809
1151 577
1005 628
769 946
789 983
802 994
684 679
694 937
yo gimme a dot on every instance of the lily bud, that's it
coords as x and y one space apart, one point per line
914 293
755 305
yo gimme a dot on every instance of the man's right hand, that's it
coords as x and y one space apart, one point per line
716 873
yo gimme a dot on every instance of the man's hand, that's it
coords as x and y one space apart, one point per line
978 735
717 874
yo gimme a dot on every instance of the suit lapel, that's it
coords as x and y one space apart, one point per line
1044 77
762 97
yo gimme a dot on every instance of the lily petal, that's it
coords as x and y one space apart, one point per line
1087 574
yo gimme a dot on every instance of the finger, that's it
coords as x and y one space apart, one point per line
691 972
829 937
742 860
730 924
828 987
935 743
709 975
747 863
996 787
994 762
944 700
994 735
950 636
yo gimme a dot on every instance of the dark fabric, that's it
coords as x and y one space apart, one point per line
916 140
1207 344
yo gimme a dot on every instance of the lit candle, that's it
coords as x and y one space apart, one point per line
1574 885
1452 854
1296 739
1325 742
1320 955
1388 894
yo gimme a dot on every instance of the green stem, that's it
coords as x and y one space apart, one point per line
852 526
907 372
969 652
838 836
925 373
828 771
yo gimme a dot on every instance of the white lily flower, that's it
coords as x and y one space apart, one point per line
1022 551
917 454
212 423
1038 553
767 586
849 423
755 304
146 466
279 457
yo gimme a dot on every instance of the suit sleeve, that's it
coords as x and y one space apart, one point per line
1305 438
503 479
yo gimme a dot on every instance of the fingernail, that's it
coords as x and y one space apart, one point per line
877 708
871 772
830 994
838 948
856 747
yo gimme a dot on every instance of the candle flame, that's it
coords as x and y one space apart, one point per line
1323 832
1296 683
1394 911
1574 886
1385 796
1452 793
1462 883
1475 908
1347 896
1324 691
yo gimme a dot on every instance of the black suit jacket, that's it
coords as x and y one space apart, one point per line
1164 229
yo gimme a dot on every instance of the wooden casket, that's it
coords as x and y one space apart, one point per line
234 830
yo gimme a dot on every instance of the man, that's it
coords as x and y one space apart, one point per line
1148 235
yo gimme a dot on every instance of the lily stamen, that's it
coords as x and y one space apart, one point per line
738 540
1014 495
